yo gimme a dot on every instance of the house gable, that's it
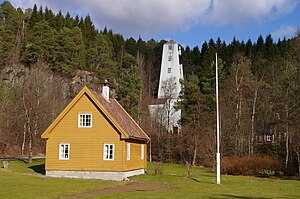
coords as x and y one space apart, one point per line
69 125
92 99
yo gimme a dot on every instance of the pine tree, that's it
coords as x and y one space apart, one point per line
128 91
39 44
131 46
189 98
100 53
34 18
11 30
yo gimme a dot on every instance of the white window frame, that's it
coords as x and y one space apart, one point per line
128 151
142 151
269 138
62 151
82 124
106 153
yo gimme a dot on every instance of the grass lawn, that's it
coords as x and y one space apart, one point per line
23 181
26 181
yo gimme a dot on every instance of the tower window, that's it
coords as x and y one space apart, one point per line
169 70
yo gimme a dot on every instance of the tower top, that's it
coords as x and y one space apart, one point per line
171 42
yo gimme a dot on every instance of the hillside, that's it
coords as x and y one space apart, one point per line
46 57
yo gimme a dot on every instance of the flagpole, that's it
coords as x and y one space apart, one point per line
218 124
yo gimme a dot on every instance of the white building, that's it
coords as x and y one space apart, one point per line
163 109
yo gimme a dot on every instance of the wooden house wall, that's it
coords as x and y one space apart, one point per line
135 161
87 144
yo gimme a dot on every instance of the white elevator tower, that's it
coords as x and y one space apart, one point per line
169 87
171 71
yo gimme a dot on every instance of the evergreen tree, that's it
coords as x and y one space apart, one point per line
69 21
196 55
249 47
141 46
131 46
69 51
189 98
128 91
34 18
39 44
100 54
76 21
59 21
88 30
10 33
41 14
270 48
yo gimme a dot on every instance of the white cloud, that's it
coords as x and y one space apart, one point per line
284 31
236 12
151 16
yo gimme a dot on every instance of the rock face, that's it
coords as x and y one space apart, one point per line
16 75
83 78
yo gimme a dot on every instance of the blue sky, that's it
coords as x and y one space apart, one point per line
188 22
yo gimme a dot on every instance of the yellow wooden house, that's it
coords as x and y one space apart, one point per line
95 138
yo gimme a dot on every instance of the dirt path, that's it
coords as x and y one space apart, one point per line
131 186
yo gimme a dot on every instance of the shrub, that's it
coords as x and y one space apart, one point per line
249 165
266 173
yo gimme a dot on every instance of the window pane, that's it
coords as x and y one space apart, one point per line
61 151
128 151
108 152
85 120
64 151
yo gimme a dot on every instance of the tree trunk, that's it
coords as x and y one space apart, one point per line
29 146
24 140
253 119
23 29
30 150
238 120
298 157
298 160
287 138
238 83
150 152
189 169
28 131
194 156
195 150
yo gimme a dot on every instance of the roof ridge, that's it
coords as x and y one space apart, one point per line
117 116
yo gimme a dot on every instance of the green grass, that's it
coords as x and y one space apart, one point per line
23 181
202 184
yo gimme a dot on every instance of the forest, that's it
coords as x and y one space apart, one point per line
46 57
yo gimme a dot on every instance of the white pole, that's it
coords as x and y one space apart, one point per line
218 126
